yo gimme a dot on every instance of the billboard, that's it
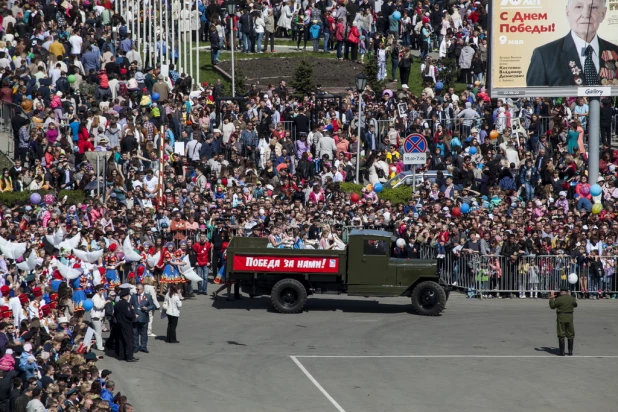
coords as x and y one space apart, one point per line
553 48
280 264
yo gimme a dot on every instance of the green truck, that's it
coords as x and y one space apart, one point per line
364 268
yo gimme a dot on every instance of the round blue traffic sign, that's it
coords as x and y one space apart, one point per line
415 143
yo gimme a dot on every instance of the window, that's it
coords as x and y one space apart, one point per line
374 248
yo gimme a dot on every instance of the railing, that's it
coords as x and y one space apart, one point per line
289 125
526 275
6 115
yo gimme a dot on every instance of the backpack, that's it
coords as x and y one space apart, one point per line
123 90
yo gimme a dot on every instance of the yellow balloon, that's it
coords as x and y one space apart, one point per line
563 277
597 208
369 187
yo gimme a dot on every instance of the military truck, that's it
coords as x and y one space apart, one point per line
364 268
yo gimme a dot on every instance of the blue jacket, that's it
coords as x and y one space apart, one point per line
90 60
315 31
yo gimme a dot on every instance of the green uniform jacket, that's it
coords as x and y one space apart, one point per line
564 305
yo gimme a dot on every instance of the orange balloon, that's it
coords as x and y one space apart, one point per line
493 135
369 187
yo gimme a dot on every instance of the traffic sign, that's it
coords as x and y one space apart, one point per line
415 150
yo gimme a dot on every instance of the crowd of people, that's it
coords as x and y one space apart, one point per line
184 171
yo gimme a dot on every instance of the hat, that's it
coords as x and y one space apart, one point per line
216 131
73 391
112 247
474 130
124 292
90 357
28 347
564 288
37 292
23 298
5 290
63 319
585 227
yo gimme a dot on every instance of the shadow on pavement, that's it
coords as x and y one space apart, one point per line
552 351
360 305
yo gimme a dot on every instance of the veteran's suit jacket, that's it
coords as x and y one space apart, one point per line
549 65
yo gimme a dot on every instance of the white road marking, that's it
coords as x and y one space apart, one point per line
456 356
317 384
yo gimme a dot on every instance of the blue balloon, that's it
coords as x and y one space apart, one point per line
155 96
439 85
397 15
88 305
377 187
472 150
465 208
595 190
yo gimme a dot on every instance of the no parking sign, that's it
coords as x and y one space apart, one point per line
415 150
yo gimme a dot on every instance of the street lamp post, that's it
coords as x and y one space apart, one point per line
231 10
361 83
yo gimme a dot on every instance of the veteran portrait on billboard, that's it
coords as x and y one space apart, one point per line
580 58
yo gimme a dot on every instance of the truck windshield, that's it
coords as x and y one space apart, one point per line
374 248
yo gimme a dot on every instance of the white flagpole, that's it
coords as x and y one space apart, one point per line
191 45
144 33
162 31
197 45
173 42
183 14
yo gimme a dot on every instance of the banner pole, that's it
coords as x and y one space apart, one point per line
594 129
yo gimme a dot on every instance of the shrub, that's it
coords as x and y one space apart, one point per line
397 195
303 80
11 199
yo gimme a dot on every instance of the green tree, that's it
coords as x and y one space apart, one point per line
371 70
303 80
240 80
448 72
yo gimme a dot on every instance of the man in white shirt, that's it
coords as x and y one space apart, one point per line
151 184
97 314
192 151
76 44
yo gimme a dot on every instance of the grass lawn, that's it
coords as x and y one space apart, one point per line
209 75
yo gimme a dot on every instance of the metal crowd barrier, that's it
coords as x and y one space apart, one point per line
524 276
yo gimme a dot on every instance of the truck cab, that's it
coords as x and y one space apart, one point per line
372 271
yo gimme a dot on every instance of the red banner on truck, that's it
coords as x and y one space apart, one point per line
282 264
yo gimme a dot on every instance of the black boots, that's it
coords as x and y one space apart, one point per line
570 347
561 343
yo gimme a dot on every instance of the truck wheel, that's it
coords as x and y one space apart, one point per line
428 299
288 296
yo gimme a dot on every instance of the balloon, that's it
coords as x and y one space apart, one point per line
563 276
71 78
595 190
597 208
377 187
493 135
387 216
456 212
397 15
35 198
573 278
88 305
155 96
439 85
465 208
584 190
48 198
369 187
354 197
472 150
401 243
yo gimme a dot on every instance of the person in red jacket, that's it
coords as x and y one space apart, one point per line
340 37
202 250
84 142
